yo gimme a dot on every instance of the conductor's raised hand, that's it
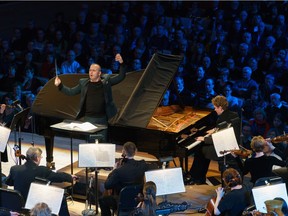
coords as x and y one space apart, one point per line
118 58
57 81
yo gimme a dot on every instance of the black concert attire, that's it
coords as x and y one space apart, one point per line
96 102
261 166
21 176
234 202
129 173
206 151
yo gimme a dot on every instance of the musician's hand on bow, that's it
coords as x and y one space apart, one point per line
200 138
57 81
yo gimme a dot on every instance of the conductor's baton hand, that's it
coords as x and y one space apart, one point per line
57 81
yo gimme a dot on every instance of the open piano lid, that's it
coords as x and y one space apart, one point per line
51 102
148 92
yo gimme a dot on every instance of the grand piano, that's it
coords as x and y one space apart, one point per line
156 130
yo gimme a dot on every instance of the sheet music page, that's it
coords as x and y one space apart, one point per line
4 137
50 195
96 155
224 140
168 181
269 192
86 126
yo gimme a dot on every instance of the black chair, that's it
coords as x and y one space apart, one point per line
127 201
268 181
11 199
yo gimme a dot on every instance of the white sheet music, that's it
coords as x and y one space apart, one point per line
86 126
263 193
96 155
50 195
224 140
168 181
4 136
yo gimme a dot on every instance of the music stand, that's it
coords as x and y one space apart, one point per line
268 192
4 137
94 155
53 196
168 181
17 122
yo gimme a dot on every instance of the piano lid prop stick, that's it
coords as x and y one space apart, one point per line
159 122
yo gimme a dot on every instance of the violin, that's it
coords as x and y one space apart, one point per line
279 139
243 153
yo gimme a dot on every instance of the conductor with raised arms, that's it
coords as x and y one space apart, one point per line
96 103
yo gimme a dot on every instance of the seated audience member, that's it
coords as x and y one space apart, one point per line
21 176
70 66
197 82
180 95
243 87
246 135
222 81
276 106
249 105
29 82
205 95
236 200
259 123
41 209
8 81
268 87
128 171
147 204
234 102
260 165
278 128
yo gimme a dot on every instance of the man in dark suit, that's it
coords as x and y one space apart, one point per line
126 172
206 151
96 103
21 176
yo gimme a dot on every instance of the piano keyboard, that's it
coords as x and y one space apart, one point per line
191 134
189 147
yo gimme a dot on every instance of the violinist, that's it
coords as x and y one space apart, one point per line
123 174
260 165
236 200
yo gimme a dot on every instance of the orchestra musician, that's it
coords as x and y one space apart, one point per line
21 176
96 103
260 165
126 172
206 151
232 203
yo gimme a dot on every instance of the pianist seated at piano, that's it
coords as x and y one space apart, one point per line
205 151
96 102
